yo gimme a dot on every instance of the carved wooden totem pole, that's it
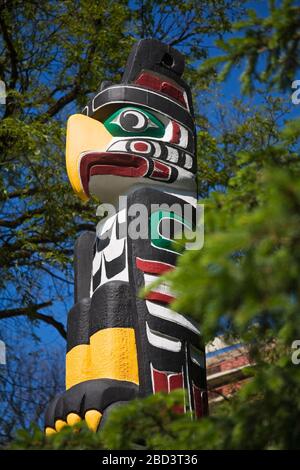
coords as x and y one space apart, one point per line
135 139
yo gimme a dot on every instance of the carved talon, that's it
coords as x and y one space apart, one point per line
92 418
73 419
50 431
87 401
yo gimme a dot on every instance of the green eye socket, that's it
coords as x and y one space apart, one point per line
134 121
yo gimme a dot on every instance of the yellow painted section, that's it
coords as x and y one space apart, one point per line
50 431
83 134
114 355
73 418
78 365
111 354
92 418
59 424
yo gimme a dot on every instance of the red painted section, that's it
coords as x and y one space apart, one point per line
155 83
148 80
159 381
159 297
176 133
141 146
170 90
153 267
118 170
166 381
109 163
200 401
175 381
161 170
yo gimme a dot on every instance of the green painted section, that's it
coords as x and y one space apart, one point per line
152 127
157 239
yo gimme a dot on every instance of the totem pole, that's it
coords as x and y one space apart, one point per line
135 139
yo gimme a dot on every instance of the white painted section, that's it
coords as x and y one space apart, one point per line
163 288
108 187
183 142
105 225
168 132
167 314
161 341
99 260
186 196
157 147
115 247
188 161
112 251
173 154
184 137
119 146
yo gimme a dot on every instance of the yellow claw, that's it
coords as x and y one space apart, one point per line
59 424
92 418
73 419
49 431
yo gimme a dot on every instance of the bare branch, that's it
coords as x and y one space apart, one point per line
60 103
20 220
12 53
31 311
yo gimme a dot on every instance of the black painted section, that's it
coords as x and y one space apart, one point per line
116 97
83 259
112 306
78 323
151 54
90 395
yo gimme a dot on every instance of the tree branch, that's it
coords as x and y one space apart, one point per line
18 193
60 103
12 53
13 223
31 311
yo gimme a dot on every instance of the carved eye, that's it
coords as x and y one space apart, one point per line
133 121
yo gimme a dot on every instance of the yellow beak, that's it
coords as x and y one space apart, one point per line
83 134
